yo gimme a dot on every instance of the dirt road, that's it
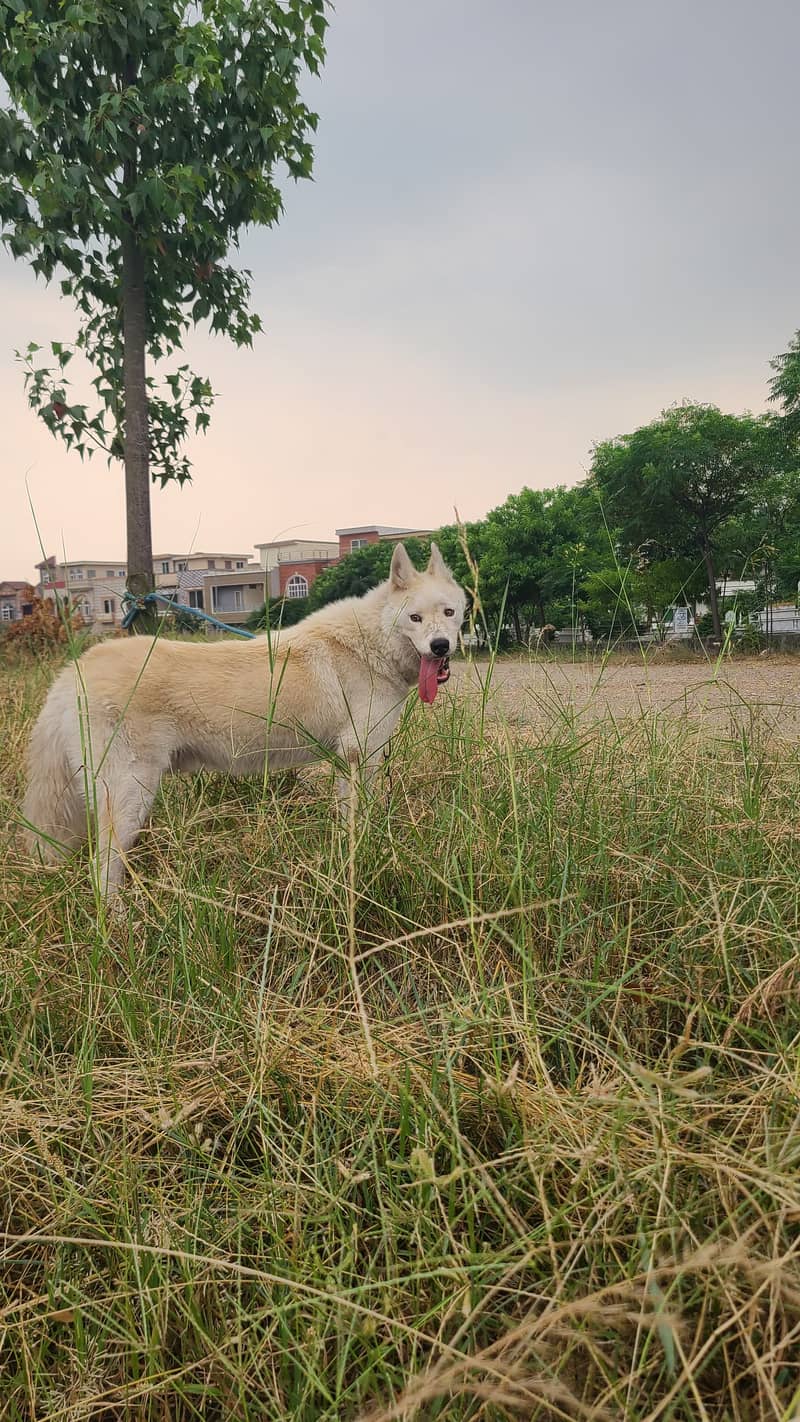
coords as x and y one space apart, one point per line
717 699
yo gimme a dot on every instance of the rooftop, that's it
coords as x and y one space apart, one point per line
382 530
158 557
290 542
81 563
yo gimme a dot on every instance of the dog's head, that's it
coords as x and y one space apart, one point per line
428 610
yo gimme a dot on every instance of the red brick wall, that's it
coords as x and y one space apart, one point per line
345 544
310 571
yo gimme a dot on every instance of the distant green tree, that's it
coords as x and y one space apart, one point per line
763 541
785 384
610 604
536 548
667 583
362 570
672 485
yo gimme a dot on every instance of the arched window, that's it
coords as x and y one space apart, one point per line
297 586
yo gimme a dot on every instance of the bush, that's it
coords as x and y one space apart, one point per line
750 638
704 625
284 612
44 629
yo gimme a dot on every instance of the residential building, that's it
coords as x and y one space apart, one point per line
94 587
16 601
292 564
169 567
350 539
233 596
227 585
287 550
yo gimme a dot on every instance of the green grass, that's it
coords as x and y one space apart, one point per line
489 1109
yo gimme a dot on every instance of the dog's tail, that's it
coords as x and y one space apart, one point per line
54 808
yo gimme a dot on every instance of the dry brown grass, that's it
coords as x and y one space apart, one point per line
544 1164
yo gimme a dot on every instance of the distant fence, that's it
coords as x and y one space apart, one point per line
779 641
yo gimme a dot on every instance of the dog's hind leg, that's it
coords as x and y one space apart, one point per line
125 790
54 811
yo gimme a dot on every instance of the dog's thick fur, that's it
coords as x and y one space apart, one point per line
133 710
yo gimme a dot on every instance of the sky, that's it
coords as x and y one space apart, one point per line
532 226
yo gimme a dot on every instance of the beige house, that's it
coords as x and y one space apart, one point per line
95 587
169 567
232 597
226 585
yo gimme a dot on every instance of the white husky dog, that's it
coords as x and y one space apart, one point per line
132 710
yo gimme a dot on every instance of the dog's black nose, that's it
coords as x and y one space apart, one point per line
440 646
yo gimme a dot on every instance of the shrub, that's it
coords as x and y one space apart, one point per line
48 626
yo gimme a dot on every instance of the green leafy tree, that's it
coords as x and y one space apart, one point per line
535 550
137 142
361 570
784 387
671 486
619 600
609 602
666 583
763 542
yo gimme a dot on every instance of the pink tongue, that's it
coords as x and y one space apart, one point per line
428 674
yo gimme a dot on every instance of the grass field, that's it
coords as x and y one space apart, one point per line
488 1108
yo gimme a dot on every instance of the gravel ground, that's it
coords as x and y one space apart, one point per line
719 701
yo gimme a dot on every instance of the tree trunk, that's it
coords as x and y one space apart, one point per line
517 628
137 443
713 602
137 437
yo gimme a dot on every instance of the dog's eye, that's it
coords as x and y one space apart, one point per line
449 612
415 616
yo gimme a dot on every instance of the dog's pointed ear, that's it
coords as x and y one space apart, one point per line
402 570
436 564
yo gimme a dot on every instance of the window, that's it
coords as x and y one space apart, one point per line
240 562
91 572
196 598
297 586
227 599
165 566
46 578
77 574
7 612
86 610
211 562
181 565
108 606
120 573
358 543
228 564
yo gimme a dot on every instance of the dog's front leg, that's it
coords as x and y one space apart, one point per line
362 770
